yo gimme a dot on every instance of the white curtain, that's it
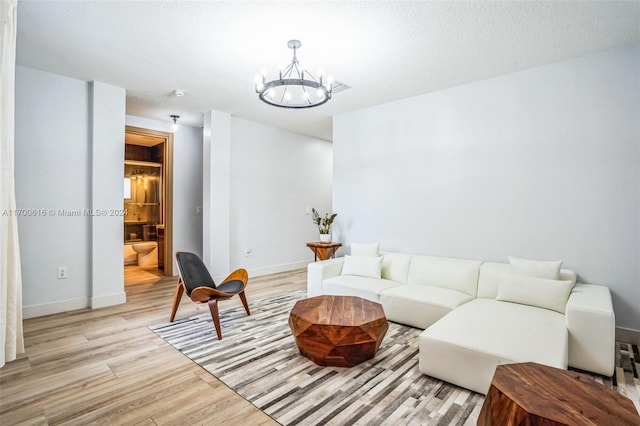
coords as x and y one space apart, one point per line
11 339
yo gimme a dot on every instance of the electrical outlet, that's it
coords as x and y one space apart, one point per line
198 210
248 251
62 272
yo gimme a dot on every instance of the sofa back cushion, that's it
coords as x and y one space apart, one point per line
363 266
534 291
395 267
491 273
454 274
549 270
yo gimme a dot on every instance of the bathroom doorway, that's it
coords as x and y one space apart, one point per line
148 202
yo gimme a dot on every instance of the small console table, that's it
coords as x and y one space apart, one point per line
324 251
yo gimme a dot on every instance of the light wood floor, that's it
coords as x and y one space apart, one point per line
105 366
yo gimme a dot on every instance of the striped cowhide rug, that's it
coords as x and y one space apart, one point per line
258 359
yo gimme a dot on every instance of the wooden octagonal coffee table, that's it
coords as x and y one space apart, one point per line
340 331
534 394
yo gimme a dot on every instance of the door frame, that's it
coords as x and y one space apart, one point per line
167 191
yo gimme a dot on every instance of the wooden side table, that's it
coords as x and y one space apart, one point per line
534 394
324 251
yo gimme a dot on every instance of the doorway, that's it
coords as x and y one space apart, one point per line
148 186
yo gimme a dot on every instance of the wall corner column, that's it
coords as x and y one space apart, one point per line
216 194
106 139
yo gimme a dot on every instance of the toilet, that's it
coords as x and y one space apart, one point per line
147 253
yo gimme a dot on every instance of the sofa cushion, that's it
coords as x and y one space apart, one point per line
351 285
491 274
364 266
395 267
420 305
467 344
549 270
454 274
365 249
538 292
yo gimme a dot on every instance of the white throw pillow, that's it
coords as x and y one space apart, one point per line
365 249
363 266
549 270
532 291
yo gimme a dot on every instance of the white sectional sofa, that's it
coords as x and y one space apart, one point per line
477 315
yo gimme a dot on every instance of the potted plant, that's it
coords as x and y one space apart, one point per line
324 224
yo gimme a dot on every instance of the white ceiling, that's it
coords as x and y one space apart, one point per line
384 50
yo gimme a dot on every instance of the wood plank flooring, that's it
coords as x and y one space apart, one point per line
105 366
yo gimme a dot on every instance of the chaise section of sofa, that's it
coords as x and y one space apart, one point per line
467 345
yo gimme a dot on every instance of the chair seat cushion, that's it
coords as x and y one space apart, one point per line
233 286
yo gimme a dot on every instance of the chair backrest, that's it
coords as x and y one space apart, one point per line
193 271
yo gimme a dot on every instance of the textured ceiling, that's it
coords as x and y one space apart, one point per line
384 50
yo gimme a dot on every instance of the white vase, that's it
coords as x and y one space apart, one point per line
325 238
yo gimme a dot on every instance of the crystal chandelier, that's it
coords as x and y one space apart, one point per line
295 87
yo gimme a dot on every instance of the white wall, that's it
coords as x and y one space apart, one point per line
273 176
187 182
542 164
107 168
56 138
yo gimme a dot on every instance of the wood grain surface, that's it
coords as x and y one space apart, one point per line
534 394
340 331
104 366
324 251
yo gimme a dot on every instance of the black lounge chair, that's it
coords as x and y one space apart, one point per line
194 278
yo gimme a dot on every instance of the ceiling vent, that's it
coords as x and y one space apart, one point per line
338 87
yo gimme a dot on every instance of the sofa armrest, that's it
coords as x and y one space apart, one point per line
320 271
591 324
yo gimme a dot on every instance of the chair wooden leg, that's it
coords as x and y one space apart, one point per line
213 307
176 300
243 297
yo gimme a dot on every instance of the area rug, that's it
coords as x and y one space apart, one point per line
259 360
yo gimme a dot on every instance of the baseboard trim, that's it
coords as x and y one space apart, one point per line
34 311
108 300
628 335
272 269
